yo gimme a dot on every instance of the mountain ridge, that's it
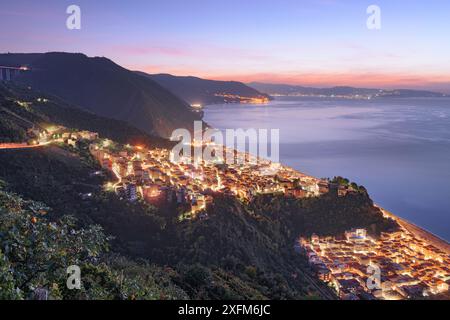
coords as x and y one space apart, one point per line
104 88
22 109
199 91
341 91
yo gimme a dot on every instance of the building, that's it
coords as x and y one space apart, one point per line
131 191
153 195
323 187
346 286
87 135
9 73
356 234
106 163
324 274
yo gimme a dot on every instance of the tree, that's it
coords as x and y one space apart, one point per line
38 250
35 252
7 284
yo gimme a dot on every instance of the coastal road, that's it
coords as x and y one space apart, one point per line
13 146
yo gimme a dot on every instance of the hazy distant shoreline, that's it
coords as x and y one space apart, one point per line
401 140
414 229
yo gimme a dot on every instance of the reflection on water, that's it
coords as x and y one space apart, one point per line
398 148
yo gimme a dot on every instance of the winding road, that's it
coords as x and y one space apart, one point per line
9 146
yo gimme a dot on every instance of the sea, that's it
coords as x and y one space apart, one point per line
399 148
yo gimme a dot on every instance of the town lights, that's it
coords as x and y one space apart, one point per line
51 129
154 194
109 186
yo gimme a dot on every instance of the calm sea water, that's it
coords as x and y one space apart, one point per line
398 148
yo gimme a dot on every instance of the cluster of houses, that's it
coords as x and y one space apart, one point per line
151 175
394 266
408 267
38 135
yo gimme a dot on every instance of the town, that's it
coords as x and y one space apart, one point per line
409 268
151 175
233 98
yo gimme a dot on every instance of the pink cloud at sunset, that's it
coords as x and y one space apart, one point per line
302 43
380 80
149 50
362 79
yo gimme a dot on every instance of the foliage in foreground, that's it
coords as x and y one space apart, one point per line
35 253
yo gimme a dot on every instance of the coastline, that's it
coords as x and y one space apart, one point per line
419 232
412 228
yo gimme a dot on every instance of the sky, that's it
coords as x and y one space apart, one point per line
307 42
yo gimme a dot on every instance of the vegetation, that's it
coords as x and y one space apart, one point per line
106 89
242 251
201 91
347 183
35 252
328 215
230 255
136 251
43 110
10 132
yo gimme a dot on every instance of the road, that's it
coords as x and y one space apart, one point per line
118 177
324 292
13 146
14 68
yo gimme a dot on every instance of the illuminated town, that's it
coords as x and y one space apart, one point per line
409 266
233 98
149 174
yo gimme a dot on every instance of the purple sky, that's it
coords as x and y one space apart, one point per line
308 42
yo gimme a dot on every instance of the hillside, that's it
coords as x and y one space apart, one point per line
294 90
232 255
22 108
242 250
201 91
104 88
36 247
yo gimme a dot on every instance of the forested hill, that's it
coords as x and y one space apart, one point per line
22 108
241 251
341 91
202 91
104 88
133 250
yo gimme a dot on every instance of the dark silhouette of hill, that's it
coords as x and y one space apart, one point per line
99 85
16 120
201 91
286 89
